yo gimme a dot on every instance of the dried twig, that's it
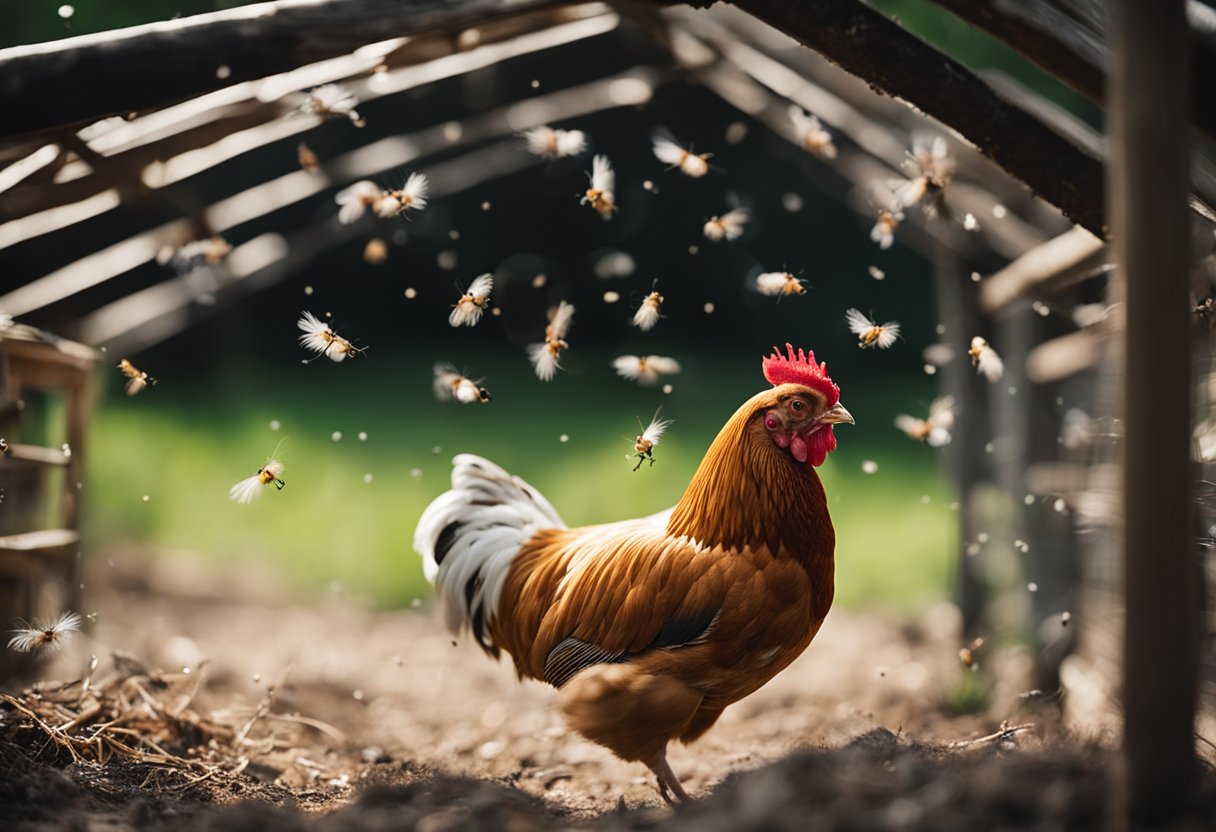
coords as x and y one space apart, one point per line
1005 733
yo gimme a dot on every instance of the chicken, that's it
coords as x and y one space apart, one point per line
650 627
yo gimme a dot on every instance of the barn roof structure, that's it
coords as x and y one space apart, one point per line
113 143
99 177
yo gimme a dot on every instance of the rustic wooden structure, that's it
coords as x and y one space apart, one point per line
44 408
1038 449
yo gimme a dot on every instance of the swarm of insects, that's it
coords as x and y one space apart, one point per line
545 357
689 163
250 488
885 227
550 143
48 636
601 195
811 134
649 312
729 226
870 334
473 302
138 378
646 441
451 384
320 338
779 283
645 369
936 428
985 359
931 167
333 100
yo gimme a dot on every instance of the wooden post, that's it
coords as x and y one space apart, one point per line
1147 188
965 457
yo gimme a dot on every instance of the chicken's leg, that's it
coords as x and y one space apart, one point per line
669 784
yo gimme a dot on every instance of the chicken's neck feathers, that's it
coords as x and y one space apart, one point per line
747 492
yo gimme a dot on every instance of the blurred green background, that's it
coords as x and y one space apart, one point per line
183 449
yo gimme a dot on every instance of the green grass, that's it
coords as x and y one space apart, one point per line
183 449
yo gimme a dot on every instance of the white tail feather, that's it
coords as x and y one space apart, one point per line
469 536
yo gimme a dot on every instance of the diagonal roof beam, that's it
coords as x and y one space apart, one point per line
628 89
77 80
892 60
1077 56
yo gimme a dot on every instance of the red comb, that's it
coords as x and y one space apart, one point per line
801 369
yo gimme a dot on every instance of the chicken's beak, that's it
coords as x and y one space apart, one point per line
835 415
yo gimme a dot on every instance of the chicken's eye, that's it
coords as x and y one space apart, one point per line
797 405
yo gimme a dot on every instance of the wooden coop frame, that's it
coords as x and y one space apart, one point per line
121 134
40 513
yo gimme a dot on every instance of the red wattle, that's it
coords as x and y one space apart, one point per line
823 441
798 448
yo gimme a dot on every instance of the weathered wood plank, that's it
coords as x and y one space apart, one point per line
77 80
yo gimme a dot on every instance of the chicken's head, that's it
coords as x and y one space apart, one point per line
803 405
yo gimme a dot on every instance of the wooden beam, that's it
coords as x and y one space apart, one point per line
1055 263
750 79
1067 50
1148 104
77 80
1066 355
892 60
161 311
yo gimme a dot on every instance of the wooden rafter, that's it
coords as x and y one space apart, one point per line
893 60
1072 53
62 83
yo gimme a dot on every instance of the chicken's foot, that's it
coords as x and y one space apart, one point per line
669 785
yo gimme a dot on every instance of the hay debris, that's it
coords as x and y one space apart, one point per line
150 718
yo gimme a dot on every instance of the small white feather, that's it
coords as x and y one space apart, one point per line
446 379
668 152
570 142
559 323
247 490
414 194
859 324
544 361
603 177
887 335
648 313
317 335
655 430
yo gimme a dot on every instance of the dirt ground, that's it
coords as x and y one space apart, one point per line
249 711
